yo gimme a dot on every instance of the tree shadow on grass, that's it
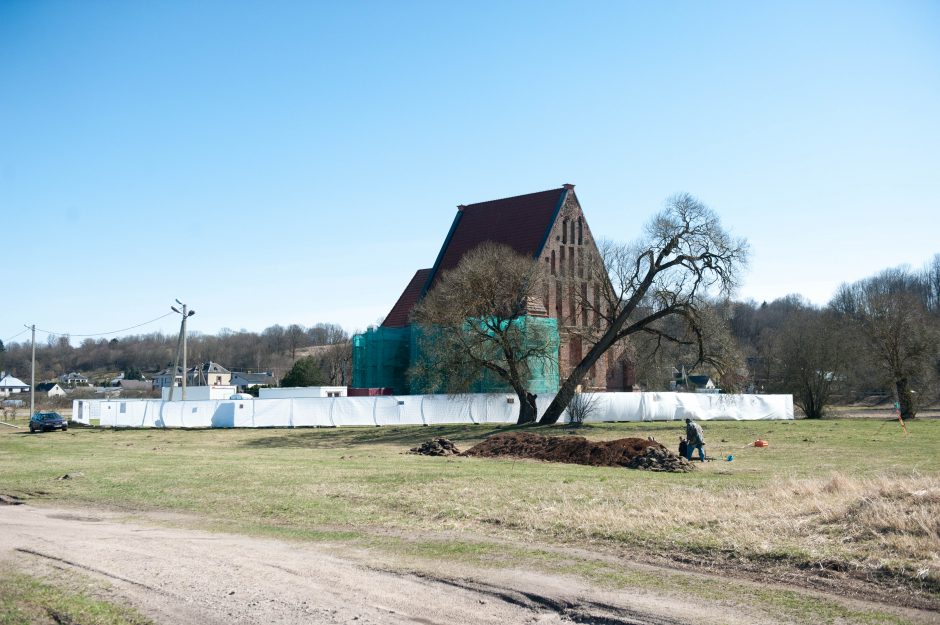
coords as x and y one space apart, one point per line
410 436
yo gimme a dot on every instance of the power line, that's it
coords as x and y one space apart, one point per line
16 335
101 333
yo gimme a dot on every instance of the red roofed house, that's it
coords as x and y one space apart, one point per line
548 226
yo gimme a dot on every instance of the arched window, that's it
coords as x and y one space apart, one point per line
564 230
580 232
553 262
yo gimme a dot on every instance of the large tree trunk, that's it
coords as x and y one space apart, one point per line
527 410
567 390
906 399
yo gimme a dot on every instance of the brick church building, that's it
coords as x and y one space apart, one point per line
548 226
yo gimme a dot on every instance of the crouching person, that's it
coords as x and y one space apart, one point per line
695 439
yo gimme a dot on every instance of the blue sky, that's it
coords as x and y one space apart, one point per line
281 162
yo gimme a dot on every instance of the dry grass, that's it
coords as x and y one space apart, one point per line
856 496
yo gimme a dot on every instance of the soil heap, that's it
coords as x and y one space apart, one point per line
634 453
436 447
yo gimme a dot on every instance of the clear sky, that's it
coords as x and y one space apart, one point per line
296 162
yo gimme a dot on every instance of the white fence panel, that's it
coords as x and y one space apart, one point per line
494 408
411 409
387 410
269 413
656 407
613 407
420 409
354 411
312 412
446 409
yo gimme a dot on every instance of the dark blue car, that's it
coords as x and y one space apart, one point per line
42 421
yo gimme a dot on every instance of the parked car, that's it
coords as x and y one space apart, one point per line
42 421
242 396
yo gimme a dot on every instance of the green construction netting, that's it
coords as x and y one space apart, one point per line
382 358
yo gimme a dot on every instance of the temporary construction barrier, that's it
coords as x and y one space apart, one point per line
418 410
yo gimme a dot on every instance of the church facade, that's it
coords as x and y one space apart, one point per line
548 226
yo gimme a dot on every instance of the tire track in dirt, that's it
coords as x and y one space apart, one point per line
183 576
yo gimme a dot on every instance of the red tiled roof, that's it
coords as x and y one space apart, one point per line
521 222
398 316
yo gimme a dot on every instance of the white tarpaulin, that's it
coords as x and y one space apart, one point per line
419 409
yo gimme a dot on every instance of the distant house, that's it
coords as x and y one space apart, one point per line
243 379
132 385
168 377
10 385
693 383
209 374
73 379
51 389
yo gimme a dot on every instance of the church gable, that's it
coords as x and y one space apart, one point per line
568 258
550 227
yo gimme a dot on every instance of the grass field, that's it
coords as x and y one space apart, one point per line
854 495
25 600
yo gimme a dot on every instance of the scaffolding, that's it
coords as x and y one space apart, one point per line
383 357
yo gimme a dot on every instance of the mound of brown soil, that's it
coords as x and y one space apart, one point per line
636 453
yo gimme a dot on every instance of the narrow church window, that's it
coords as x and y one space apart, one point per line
584 303
580 262
572 232
561 261
574 351
564 230
559 300
572 298
580 232
597 305
571 261
553 262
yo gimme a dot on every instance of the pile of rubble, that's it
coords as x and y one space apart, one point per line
435 447
660 459
634 453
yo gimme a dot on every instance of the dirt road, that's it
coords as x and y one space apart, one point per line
181 576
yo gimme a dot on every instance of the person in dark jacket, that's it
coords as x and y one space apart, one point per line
695 439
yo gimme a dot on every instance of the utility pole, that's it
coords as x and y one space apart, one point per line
186 313
32 377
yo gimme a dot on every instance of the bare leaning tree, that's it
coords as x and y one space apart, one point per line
658 287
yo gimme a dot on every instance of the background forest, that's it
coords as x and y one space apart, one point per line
877 338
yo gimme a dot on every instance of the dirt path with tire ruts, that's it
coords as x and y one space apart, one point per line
182 576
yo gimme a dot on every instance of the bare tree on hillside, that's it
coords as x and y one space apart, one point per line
295 337
274 339
685 255
931 279
336 363
326 334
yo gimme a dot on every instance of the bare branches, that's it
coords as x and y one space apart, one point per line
685 258
474 321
